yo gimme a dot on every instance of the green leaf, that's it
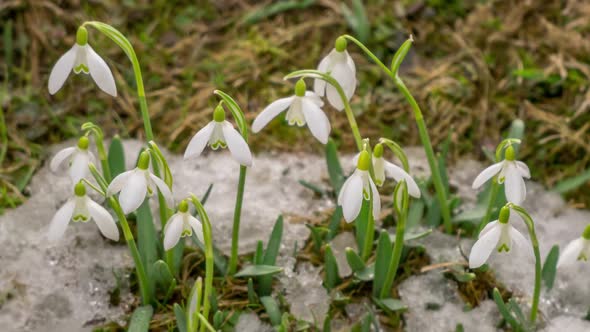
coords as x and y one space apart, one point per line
504 311
390 304
366 274
147 240
572 183
272 9
162 275
334 225
335 172
312 187
140 320
354 260
357 20
116 37
415 213
207 193
116 157
258 270
317 236
517 132
331 277
270 255
384 252
180 318
252 297
259 253
464 276
360 225
411 236
272 309
550 267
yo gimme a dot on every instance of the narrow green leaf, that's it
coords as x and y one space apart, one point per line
366 274
218 318
272 9
334 225
116 157
504 311
354 260
550 267
140 320
334 168
390 304
252 297
515 308
258 270
207 193
433 215
313 187
147 240
384 252
318 234
270 255
360 225
572 183
411 236
415 213
464 276
331 277
162 275
259 253
272 309
180 318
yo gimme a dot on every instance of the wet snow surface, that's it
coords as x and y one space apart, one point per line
66 287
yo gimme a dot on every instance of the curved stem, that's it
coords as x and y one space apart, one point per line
233 261
493 196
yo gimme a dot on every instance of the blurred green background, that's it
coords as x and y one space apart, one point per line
475 66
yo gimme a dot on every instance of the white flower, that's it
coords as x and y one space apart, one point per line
357 187
303 108
577 250
383 168
81 58
135 184
340 66
82 208
498 235
510 172
181 224
220 133
78 160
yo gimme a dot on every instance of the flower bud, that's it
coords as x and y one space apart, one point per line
340 44
509 153
364 162
82 36
144 160
504 215
300 88
183 206
80 189
378 150
83 143
219 114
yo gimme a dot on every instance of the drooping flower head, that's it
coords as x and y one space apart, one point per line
340 66
499 235
181 224
220 133
81 58
304 108
135 184
82 208
577 250
78 158
357 187
510 172
383 168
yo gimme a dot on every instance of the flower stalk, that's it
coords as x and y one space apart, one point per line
235 235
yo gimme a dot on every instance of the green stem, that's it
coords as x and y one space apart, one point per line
396 255
146 297
233 260
369 232
422 130
491 204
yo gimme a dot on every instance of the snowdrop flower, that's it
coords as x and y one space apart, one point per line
135 184
577 250
220 133
358 186
498 235
302 108
340 66
81 58
78 160
181 224
510 172
81 208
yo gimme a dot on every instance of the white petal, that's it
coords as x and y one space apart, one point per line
197 227
62 69
173 232
351 198
314 97
79 167
523 169
237 146
398 174
164 189
514 186
482 249
119 182
133 193
521 242
316 119
487 228
103 219
270 112
571 252
60 221
60 157
376 200
100 72
319 85
199 141
345 77
487 174
350 62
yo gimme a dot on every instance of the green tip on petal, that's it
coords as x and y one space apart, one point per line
183 206
300 88
82 36
340 44
509 153
219 114
378 150
144 160
83 143
504 215
80 189
586 233
364 162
